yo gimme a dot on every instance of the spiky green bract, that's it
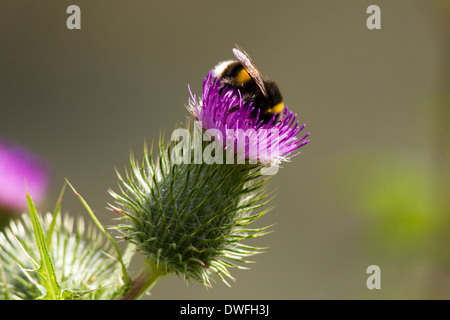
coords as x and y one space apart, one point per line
190 218
81 259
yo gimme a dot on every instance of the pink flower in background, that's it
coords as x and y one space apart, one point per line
20 170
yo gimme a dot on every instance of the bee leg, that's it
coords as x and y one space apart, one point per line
234 109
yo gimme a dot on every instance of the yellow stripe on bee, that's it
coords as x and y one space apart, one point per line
243 76
277 108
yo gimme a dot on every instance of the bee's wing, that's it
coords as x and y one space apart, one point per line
250 67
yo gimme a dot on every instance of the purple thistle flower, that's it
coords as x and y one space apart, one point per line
20 170
258 141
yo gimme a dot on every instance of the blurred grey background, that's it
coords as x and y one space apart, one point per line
370 188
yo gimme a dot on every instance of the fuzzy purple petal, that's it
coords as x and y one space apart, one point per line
271 142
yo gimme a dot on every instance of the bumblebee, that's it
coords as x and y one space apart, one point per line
242 74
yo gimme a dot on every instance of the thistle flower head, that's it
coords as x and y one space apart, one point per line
222 108
187 217
191 217
20 168
81 256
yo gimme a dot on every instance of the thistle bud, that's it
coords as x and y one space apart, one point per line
80 256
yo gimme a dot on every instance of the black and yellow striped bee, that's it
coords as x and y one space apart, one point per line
242 74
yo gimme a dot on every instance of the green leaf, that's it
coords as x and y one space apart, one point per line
45 271
126 278
55 214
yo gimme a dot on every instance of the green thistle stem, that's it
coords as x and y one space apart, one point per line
145 280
